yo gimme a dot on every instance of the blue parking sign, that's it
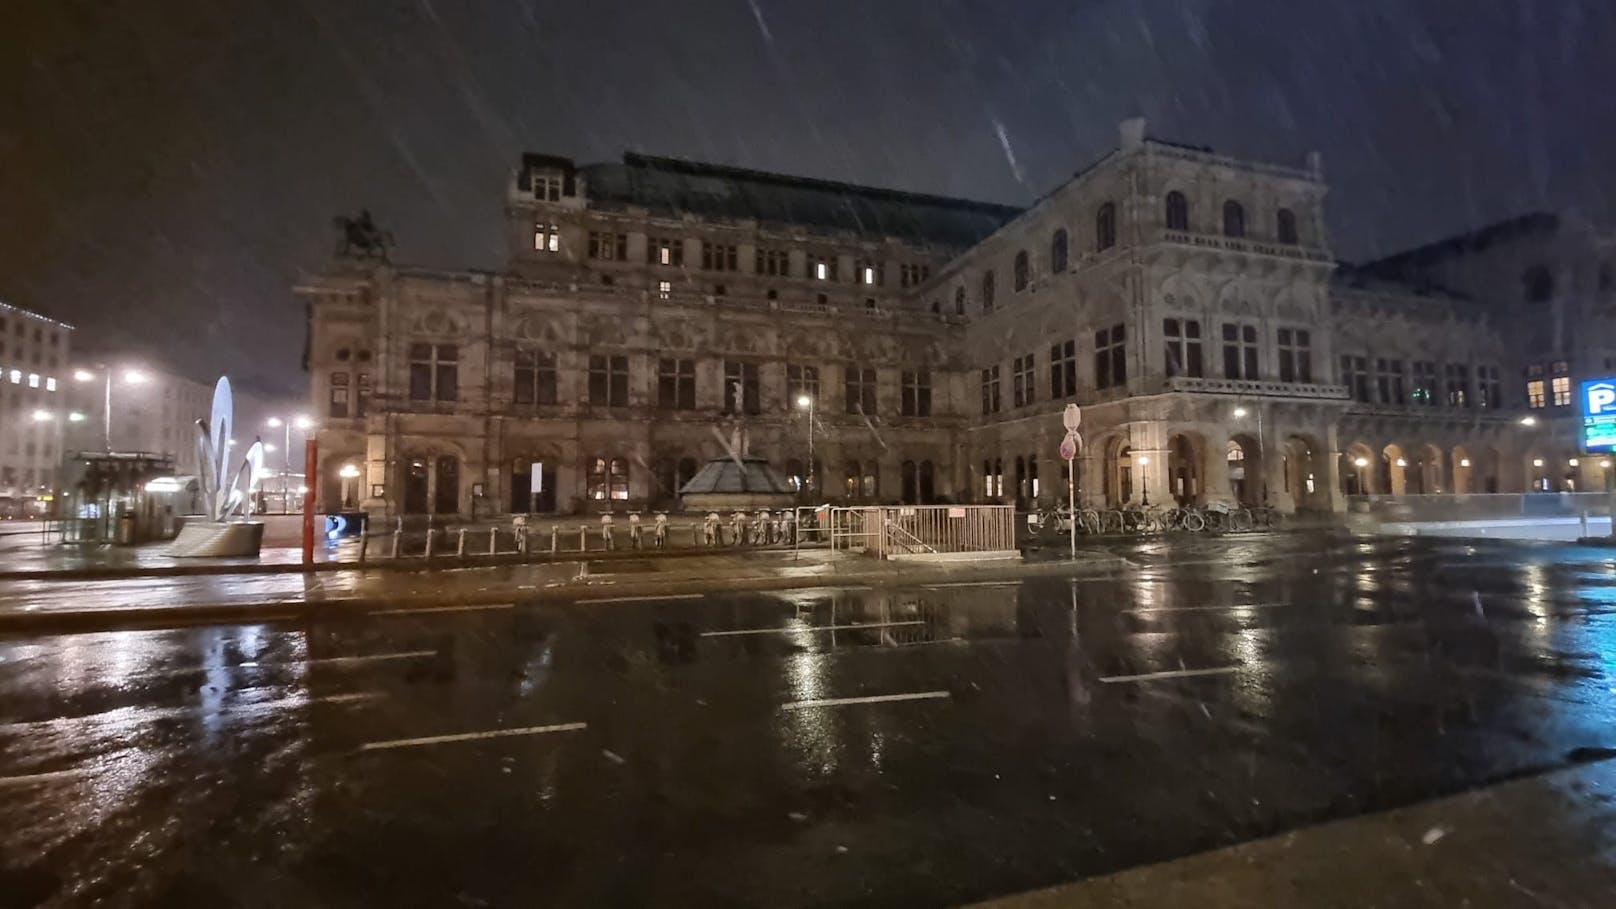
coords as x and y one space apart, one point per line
1597 400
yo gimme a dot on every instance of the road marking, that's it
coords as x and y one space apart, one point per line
876 699
972 584
428 609
1170 674
472 736
31 778
162 713
324 661
725 634
664 596
1205 608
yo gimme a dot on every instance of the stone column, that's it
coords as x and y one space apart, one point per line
1336 500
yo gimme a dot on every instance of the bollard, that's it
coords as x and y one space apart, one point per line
398 541
1583 515
493 541
431 533
364 540
521 540
583 538
460 545
555 538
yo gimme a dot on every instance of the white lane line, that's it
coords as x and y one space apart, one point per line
123 715
725 634
645 599
972 584
336 660
32 778
1170 674
430 609
876 699
472 736
1206 608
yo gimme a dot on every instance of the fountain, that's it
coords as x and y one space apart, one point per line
226 532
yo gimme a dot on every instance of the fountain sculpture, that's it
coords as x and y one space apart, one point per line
225 495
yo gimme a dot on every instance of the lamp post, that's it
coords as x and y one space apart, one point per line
1361 463
806 402
1144 481
130 377
302 424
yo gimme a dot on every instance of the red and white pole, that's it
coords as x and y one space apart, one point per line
311 469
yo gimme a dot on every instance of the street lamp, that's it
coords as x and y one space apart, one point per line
302 424
1361 463
130 377
43 416
1528 420
806 402
1144 481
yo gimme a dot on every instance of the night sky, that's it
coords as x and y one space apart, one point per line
168 169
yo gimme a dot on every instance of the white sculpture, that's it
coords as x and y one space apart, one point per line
223 493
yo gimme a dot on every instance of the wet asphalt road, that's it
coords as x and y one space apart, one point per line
709 751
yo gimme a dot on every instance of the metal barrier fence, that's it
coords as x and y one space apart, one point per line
898 531
1480 506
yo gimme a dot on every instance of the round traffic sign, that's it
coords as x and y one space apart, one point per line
1072 417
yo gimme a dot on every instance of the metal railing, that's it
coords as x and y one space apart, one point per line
896 531
1480 506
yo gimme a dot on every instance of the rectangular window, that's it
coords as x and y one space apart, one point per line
534 378
1183 340
776 262
861 391
546 189
741 388
676 384
1489 391
362 401
718 256
546 237
608 246
608 381
1389 381
1561 388
1534 393
1458 375
1110 362
664 290
869 272
1240 351
913 275
339 396
822 268
434 372
990 390
1424 390
801 381
669 251
916 393
1355 375
1295 355
1021 384
1062 370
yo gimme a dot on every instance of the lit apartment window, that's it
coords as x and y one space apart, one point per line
1560 386
823 268
1534 393
50 384
664 289
546 237
664 251
33 380
869 273
1424 390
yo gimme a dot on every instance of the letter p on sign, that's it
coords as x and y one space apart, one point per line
1601 398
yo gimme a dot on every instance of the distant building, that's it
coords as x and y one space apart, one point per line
34 352
154 411
1188 301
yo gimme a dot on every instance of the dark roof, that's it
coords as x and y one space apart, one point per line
672 187
1400 264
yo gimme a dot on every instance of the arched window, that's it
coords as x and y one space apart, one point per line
1105 227
1285 222
987 291
1021 271
1537 284
1178 211
1057 252
872 480
937 307
959 301
619 479
1234 219
851 477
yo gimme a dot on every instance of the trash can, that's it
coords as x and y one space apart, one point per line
125 534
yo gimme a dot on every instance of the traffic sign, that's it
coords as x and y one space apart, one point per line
1072 417
1068 446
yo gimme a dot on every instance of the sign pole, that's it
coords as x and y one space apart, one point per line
311 469
1071 418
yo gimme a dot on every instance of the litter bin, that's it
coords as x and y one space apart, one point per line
125 534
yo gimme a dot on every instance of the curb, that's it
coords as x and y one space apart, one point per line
78 621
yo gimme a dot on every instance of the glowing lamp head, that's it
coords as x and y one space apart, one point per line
1361 462
82 375
1239 412
804 402
1529 420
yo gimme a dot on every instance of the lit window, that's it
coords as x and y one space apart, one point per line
664 289
1561 386
546 238
1534 394
821 270
50 384
16 377
869 274
33 380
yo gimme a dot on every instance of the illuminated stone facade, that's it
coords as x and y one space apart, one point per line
1188 301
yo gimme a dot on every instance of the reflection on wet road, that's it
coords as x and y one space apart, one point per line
914 746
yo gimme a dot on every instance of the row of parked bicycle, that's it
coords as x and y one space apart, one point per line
1214 518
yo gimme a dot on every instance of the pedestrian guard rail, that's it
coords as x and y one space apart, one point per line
1480 506
925 531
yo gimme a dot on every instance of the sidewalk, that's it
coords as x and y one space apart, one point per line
1547 840
66 605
